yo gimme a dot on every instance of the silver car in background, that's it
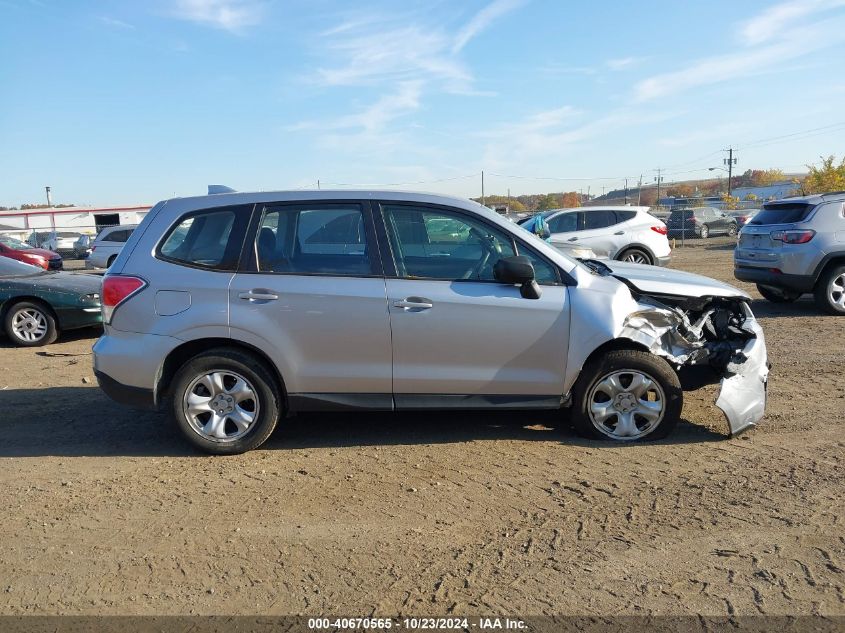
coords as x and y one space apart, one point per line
107 245
235 310
625 233
796 246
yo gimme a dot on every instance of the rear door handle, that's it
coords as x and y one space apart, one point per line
414 303
258 295
619 233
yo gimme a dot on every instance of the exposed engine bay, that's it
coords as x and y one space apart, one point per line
715 333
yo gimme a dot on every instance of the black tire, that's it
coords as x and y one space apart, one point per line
778 295
41 314
705 232
267 402
732 230
830 291
111 261
620 361
634 254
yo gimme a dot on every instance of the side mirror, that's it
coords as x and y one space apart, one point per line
544 233
518 270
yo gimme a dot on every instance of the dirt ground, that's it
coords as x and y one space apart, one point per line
104 510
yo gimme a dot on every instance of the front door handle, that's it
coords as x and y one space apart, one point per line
573 239
258 295
619 233
414 303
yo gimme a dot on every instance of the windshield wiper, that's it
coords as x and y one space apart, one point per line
600 268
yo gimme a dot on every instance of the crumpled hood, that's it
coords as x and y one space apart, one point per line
664 281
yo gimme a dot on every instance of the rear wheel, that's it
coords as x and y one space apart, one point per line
705 231
635 256
627 395
225 402
30 324
778 295
830 291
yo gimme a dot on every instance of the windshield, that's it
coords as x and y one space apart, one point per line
14 268
14 244
782 213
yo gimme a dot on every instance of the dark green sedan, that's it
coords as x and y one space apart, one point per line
35 304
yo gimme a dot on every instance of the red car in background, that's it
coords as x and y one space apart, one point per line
23 252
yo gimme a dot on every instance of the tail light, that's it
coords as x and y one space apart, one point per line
660 229
692 219
116 290
793 237
93 248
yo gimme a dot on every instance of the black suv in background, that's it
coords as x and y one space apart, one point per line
700 222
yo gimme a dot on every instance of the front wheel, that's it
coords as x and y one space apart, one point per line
225 402
705 231
627 395
732 230
830 291
778 295
30 324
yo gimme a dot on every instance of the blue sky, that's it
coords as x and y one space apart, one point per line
130 102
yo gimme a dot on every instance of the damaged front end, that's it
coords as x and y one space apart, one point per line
715 337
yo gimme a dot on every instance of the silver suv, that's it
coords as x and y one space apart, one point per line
235 310
796 246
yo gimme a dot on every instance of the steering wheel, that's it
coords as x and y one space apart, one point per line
491 247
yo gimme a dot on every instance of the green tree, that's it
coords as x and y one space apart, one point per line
829 176
549 201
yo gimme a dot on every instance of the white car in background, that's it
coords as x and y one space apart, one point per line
62 242
628 234
108 244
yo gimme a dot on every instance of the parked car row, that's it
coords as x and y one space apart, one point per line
700 222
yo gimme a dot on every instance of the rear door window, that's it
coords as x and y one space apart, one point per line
322 239
782 213
598 219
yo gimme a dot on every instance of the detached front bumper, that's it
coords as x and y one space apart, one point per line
742 397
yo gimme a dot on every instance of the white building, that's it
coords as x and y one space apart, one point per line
21 223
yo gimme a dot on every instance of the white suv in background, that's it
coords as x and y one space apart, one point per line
628 234
108 244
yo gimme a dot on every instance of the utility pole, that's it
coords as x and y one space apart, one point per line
509 199
482 189
730 161
626 191
639 189
658 179
318 183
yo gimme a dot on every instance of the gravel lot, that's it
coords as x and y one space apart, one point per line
106 511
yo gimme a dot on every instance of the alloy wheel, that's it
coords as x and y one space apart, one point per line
626 405
220 406
836 292
29 325
636 257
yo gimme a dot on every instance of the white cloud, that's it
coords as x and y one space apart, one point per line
230 15
398 52
623 62
482 20
375 117
119 24
773 21
792 43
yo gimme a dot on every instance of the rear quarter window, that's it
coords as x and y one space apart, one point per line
210 238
